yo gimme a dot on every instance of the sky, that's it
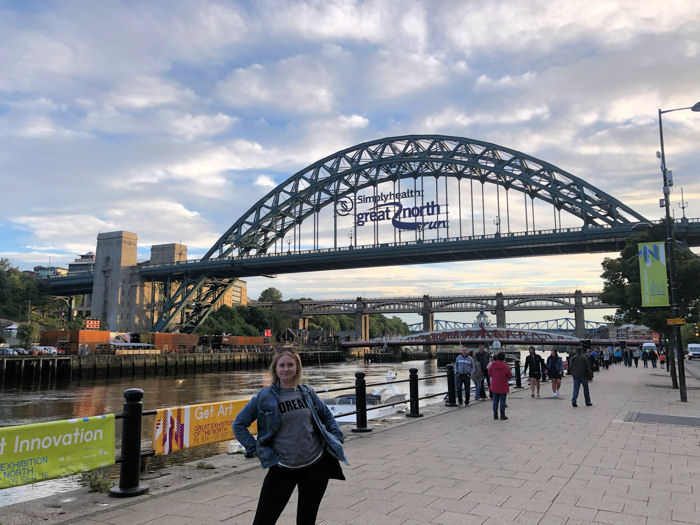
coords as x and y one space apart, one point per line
171 119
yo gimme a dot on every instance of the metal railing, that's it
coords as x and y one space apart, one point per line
131 453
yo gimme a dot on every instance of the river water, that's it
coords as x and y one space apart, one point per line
21 406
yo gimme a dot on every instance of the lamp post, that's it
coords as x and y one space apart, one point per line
671 258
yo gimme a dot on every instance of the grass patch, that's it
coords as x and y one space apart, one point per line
96 481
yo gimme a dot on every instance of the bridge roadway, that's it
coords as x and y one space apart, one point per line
590 239
548 464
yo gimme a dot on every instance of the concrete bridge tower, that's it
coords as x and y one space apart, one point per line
115 259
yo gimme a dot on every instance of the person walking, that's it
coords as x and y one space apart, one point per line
607 355
298 440
500 374
535 364
645 357
582 372
477 377
555 367
653 357
636 353
483 357
464 366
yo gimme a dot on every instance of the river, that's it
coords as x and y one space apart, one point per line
21 406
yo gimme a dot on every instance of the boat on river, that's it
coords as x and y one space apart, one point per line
346 403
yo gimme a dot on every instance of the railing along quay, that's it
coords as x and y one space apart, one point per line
132 457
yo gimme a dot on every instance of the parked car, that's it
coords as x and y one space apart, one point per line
20 351
7 351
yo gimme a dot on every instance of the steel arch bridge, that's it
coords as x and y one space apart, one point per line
391 171
392 160
400 200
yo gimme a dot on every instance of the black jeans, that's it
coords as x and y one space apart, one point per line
463 382
279 485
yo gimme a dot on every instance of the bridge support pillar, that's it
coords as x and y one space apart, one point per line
500 311
428 322
303 323
579 319
361 321
112 295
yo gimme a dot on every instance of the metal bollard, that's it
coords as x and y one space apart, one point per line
451 394
413 392
518 379
131 447
361 403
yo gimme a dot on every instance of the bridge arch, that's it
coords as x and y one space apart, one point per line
338 177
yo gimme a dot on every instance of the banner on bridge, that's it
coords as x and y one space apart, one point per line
652 273
31 453
190 426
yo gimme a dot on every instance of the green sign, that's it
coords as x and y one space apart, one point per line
652 273
31 453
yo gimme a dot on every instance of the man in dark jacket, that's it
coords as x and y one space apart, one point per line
582 372
483 357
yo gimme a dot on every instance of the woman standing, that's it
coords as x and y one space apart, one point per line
555 369
477 377
500 373
298 440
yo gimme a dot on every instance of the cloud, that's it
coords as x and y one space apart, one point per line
353 121
265 181
297 85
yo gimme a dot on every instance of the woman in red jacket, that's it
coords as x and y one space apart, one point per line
500 373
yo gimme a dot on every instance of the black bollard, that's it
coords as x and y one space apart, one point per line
518 379
131 447
413 392
451 394
361 403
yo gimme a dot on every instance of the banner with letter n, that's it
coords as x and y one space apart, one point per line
652 273
194 425
31 453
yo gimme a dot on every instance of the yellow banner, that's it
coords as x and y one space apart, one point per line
652 273
190 426
30 453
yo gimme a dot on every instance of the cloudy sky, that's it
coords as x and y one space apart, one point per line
170 119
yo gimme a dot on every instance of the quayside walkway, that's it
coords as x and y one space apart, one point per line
624 460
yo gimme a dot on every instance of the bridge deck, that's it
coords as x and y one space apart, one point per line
548 464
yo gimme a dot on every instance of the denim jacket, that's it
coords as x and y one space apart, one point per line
263 408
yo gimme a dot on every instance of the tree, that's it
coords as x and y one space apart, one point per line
28 333
270 294
622 284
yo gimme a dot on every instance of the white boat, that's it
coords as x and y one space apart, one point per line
385 395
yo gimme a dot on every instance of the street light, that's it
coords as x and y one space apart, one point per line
669 250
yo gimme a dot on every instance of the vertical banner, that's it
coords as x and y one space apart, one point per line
652 273
31 453
191 426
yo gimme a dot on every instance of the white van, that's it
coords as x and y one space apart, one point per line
648 347
693 350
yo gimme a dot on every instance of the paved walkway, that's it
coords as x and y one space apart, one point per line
548 464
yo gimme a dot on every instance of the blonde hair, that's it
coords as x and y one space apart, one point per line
273 366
